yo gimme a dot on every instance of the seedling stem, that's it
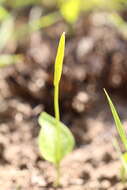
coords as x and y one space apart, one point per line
57 116
56 102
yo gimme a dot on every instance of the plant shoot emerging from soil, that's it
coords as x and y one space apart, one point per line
122 133
55 139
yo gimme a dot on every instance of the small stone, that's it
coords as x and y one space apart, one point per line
38 180
77 181
105 184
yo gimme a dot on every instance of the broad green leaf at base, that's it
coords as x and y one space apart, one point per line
55 139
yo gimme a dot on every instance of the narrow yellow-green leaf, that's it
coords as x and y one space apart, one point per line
118 123
59 60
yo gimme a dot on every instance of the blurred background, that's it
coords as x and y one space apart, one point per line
95 58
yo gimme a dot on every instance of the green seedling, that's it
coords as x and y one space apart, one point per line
122 133
123 158
55 139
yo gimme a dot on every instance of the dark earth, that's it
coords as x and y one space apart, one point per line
95 58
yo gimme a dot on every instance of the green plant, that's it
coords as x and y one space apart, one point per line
122 133
55 139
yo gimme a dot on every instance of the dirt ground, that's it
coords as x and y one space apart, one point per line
95 58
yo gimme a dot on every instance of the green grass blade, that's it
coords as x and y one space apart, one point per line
118 123
122 156
59 60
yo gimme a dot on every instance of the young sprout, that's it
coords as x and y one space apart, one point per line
122 133
123 159
55 139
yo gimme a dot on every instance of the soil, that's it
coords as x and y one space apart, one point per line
95 58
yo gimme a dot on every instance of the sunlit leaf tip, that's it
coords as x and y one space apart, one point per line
59 60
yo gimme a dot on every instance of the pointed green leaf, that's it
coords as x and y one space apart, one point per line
59 60
55 139
118 123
